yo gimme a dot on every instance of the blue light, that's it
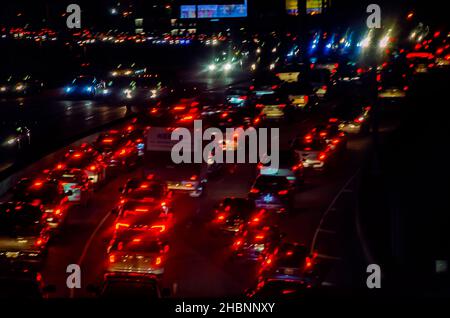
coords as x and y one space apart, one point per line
89 88
68 89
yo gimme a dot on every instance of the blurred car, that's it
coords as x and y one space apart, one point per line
47 194
273 107
289 166
238 96
314 152
77 181
129 286
321 81
291 261
300 94
146 191
392 86
330 132
352 119
23 235
255 243
142 253
265 83
351 73
420 62
20 85
117 150
144 88
290 73
86 158
273 193
84 86
232 214
136 216
15 137
137 134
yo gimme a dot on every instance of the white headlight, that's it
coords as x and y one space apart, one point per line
211 67
227 67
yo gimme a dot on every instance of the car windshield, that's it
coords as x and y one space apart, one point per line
19 220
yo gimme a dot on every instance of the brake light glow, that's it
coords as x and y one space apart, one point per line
141 210
119 225
322 156
112 258
254 190
161 228
405 88
107 141
308 263
283 192
93 168
158 261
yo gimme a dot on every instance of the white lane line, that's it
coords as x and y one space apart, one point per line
330 207
87 246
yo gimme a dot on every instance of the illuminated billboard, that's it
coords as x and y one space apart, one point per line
188 12
214 11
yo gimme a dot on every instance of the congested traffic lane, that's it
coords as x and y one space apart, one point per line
199 262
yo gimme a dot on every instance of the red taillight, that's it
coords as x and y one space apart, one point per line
112 258
158 261
221 217
283 192
405 88
93 168
324 87
259 237
122 152
193 178
161 228
252 87
308 262
380 88
254 190
238 243
359 120
39 242
58 212
332 120
259 105
335 141
322 156
274 86
243 97
119 225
